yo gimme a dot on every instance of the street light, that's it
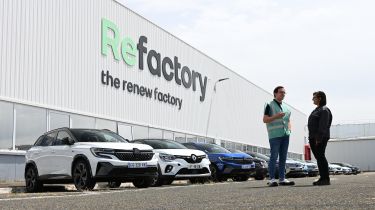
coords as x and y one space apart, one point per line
212 97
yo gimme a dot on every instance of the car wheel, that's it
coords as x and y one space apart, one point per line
157 180
259 177
193 180
215 177
236 178
240 178
143 182
33 184
198 180
82 177
114 184
223 179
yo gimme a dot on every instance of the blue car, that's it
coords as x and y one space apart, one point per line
225 164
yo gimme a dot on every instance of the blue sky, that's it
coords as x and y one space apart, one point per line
304 45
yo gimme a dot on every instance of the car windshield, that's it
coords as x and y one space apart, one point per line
261 156
343 164
162 144
87 135
213 148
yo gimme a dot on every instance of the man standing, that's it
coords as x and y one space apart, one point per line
277 118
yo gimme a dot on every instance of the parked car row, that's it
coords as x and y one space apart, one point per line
87 156
350 169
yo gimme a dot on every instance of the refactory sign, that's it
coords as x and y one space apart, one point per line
124 48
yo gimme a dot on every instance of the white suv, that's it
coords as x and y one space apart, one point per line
178 162
85 156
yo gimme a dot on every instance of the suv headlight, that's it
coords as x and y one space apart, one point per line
102 152
167 157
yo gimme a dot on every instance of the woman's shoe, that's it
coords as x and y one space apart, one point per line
322 182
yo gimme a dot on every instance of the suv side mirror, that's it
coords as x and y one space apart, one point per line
67 141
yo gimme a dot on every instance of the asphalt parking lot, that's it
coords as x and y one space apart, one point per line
345 192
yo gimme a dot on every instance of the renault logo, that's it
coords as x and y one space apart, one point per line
194 157
136 151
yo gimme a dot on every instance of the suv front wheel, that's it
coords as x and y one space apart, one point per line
33 184
82 177
114 184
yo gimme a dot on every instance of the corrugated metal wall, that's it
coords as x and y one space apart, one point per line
352 130
356 152
51 57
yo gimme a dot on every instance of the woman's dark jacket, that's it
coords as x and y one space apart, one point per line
319 123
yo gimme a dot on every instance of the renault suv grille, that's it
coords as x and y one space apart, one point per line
134 155
190 159
238 160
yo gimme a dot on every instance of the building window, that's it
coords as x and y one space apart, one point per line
201 140
191 138
230 145
106 124
180 137
168 135
249 148
125 131
222 144
6 125
210 140
31 122
155 133
79 121
238 147
58 120
140 132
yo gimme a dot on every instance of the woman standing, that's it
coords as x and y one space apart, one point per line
319 125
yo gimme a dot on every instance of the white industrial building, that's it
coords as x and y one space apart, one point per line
97 64
353 144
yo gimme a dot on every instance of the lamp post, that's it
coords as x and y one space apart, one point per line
212 98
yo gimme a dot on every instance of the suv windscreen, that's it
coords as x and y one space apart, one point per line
45 140
83 135
190 146
261 156
163 144
213 148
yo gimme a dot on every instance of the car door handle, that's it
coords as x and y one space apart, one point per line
53 151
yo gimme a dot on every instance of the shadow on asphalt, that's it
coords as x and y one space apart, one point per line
308 185
266 186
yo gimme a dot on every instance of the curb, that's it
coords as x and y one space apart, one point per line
5 190
21 189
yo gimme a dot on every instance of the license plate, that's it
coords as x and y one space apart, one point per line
137 165
195 166
246 166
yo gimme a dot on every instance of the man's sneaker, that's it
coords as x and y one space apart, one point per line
322 182
286 182
272 183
